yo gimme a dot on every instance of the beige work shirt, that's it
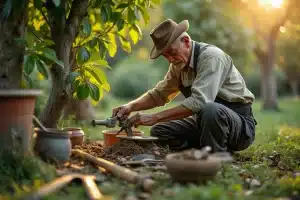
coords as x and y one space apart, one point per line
216 76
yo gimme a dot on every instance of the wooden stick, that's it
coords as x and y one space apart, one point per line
119 171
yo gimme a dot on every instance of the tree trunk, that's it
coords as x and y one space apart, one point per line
63 32
268 78
12 54
83 110
269 89
295 87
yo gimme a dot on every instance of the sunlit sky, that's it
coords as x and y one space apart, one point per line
273 3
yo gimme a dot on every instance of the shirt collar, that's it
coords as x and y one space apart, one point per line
191 65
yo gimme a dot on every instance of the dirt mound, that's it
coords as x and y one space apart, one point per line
127 149
123 150
94 148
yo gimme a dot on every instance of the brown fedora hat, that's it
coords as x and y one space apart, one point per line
165 34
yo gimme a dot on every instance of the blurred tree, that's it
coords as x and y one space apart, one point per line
11 54
61 32
289 51
267 17
212 22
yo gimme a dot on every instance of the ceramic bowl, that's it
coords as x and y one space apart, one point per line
53 146
111 139
77 135
183 170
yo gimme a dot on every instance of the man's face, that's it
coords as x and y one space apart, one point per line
178 54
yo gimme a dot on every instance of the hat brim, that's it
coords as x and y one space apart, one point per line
181 27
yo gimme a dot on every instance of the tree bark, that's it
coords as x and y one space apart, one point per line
295 88
82 110
63 33
12 54
268 78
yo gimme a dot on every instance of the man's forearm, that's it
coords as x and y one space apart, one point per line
178 112
144 102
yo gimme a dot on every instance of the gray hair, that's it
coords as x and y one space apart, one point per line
178 42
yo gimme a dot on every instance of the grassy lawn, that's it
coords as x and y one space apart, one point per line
266 170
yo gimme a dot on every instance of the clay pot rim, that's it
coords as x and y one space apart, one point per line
53 132
210 159
71 128
20 92
114 132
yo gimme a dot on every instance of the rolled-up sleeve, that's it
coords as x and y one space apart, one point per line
167 89
209 78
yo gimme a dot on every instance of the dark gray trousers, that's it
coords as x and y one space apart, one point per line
215 125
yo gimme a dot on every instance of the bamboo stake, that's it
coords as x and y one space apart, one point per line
119 171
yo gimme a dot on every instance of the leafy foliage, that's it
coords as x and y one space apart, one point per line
106 24
211 23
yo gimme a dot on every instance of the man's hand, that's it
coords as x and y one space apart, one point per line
122 112
144 119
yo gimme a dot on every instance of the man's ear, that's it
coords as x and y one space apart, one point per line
186 41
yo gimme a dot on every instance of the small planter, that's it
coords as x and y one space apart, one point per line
53 146
111 139
77 135
17 108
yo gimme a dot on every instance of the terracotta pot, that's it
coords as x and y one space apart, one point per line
111 139
183 170
53 146
77 135
17 108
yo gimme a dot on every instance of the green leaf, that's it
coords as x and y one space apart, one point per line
97 3
109 12
87 28
112 45
135 33
125 44
75 85
96 73
7 9
56 2
104 14
122 5
29 64
93 42
102 49
48 42
131 16
83 55
94 91
145 14
51 55
115 16
110 2
120 24
38 4
28 80
157 2
42 68
72 76
83 91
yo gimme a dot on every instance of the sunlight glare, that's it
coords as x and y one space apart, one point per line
273 3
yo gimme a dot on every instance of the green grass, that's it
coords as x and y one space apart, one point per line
272 160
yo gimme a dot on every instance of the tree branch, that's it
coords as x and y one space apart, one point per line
78 11
35 34
260 54
43 14
281 22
